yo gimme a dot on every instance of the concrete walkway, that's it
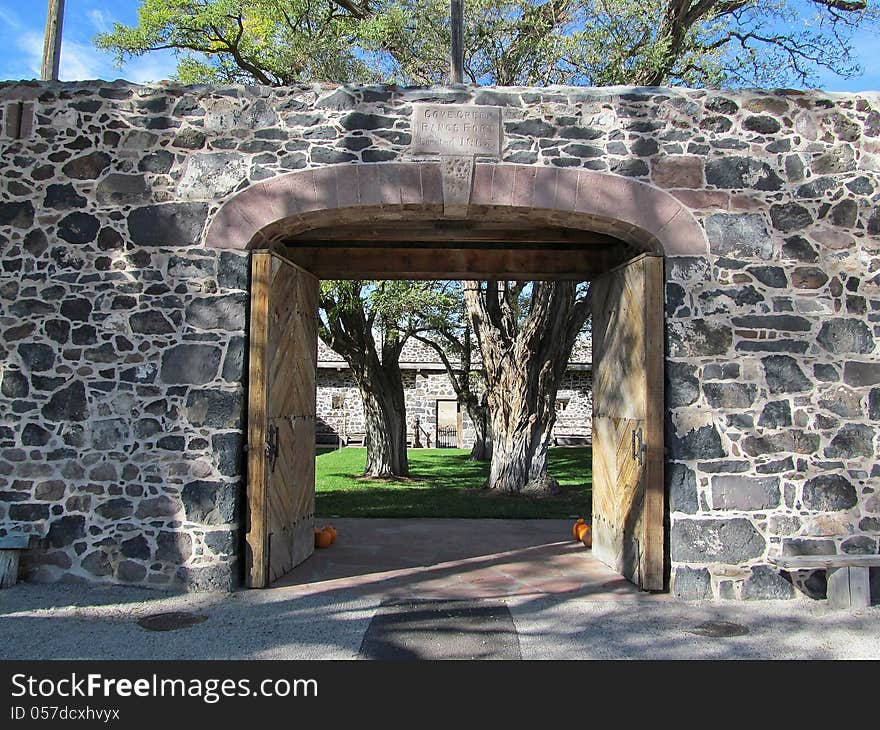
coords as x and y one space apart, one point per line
431 589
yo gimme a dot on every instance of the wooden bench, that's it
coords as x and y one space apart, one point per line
849 583
9 549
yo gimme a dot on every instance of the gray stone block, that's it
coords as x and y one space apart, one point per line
730 541
766 584
691 584
190 363
209 503
682 489
745 493
168 224
739 234
829 493
699 443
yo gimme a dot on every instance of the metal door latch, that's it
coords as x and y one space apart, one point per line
272 445
638 452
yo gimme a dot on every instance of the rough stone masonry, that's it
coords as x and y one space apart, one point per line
122 336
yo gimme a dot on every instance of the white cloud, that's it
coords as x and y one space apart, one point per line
99 20
81 61
31 46
22 51
151 67
10 19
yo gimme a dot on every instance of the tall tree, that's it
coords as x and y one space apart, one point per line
368 323
448 331
526 333
533 42
271 42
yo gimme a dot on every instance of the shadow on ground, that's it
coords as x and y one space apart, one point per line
561 603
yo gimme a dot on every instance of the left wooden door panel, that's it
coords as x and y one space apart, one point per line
281 418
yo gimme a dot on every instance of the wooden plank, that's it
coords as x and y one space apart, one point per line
291 410
282 382
837 587
848 587
257 535
817 562
446 232
859 587
8 567
14 542
655 491
328 262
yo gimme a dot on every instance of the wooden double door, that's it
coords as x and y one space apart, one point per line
628 492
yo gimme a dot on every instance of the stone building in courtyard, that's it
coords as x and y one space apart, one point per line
430 398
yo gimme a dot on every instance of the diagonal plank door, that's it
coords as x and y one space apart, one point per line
628 501
281 418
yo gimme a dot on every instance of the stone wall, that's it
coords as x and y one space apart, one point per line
121 336
340 409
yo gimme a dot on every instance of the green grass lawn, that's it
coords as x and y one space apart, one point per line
444 483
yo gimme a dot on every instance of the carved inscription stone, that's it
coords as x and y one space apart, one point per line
456 130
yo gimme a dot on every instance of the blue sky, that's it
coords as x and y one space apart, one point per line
22 25
21 44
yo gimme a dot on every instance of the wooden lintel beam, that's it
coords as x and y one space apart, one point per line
451 235
456 263
408 244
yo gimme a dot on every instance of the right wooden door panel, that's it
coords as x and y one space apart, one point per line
628 408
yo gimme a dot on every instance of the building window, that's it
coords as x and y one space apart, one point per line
338 402
561 404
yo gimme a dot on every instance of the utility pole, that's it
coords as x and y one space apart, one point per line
456 64
52 44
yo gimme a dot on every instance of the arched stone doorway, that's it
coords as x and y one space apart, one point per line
364 221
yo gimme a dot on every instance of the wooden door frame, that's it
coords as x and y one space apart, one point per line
437 402
256 577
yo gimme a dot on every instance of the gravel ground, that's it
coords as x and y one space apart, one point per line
647 629
86 622
71 621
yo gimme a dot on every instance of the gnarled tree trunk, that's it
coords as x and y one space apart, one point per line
525 357
381 389
479 415
349 331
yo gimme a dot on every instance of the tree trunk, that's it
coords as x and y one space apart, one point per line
381 389
479 415
349 331
525 358
522 407
460 377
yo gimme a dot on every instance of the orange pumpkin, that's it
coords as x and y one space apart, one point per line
587 536
322 539
580 530
332 531
575 527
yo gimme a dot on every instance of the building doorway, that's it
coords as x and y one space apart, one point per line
389 220
628 499
447 420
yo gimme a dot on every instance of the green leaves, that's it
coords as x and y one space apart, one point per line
274 42
507 42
